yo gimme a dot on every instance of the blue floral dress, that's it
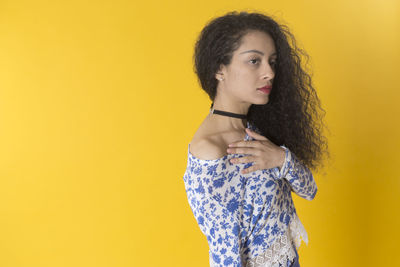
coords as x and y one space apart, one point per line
248 219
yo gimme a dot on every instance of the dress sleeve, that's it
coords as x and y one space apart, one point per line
299 176
215 204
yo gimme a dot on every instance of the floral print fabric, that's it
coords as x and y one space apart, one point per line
242 215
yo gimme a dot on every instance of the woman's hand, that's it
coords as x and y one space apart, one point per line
263 152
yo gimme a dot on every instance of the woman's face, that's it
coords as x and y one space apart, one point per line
252 67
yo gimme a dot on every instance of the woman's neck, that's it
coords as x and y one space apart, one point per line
228 122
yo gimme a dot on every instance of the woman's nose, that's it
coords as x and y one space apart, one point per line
269 71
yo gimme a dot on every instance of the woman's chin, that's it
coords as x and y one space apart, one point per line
262 101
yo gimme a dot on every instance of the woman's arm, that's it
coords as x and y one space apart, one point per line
298 175
213 203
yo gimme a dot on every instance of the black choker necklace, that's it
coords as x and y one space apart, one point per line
226 113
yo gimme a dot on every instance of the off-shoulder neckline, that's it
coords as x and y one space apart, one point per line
220 158
207 160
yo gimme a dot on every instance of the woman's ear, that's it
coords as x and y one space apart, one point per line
220 74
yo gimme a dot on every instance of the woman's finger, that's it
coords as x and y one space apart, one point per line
245 159
242 150
250 169
250 143
255 135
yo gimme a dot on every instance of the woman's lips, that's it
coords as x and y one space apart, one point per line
265 90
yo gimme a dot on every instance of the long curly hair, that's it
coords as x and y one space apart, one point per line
290 117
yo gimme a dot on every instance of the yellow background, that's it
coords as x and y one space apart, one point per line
98 101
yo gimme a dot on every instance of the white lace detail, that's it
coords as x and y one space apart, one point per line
297 231
282 249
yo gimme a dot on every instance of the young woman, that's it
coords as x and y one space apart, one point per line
257 144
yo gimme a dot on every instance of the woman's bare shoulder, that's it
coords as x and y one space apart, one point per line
207 149
209 144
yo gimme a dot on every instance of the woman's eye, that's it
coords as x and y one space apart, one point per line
254 59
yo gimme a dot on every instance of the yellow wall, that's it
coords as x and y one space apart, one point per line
98 101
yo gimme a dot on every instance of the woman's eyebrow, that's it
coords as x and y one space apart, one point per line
257 51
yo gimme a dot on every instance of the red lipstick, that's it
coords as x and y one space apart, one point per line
265 89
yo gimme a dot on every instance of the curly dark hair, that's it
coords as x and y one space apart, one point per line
290 117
